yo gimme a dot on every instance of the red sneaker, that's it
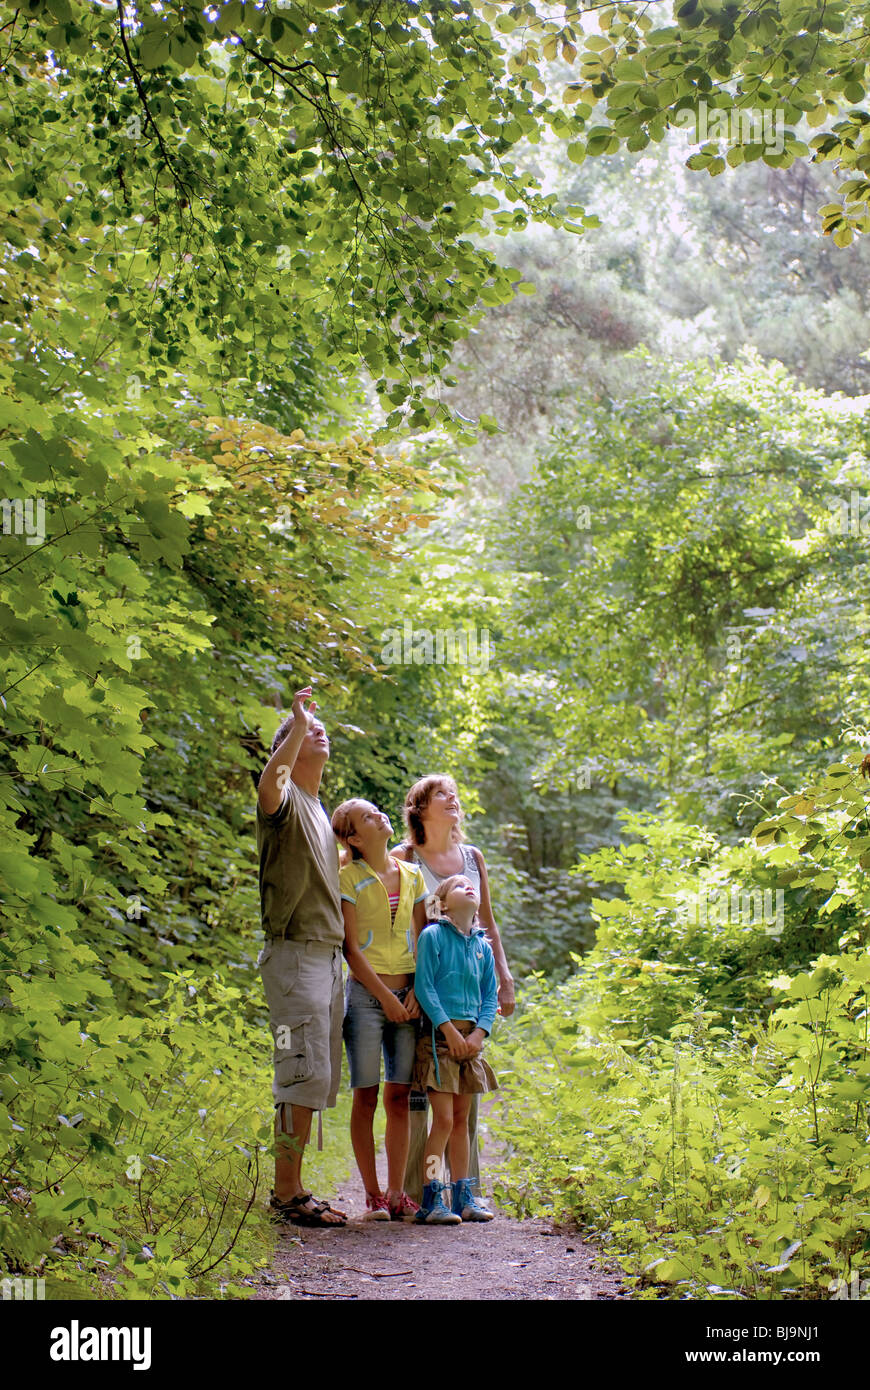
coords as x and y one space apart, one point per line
377 1208
402 1208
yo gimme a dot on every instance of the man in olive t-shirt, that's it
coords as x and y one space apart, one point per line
300 963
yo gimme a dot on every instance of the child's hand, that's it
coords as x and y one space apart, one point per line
414 1010
457 1046
475 1041
395 1010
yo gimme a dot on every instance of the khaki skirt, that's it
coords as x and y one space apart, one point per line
467 1077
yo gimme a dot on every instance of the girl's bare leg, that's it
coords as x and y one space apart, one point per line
365 1100
458 1148
398 1133
441 1103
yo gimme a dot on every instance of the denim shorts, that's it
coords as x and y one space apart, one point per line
368 1032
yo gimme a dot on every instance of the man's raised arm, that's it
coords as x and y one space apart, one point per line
276 773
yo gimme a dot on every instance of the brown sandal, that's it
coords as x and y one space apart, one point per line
306 1210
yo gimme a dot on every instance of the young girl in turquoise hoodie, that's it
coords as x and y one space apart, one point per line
457 989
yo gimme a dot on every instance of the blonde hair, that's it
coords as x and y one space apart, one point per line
442 889
343 826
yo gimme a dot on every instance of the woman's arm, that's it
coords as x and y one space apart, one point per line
362 971
506 998
488 995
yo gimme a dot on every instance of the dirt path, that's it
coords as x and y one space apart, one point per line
500 1259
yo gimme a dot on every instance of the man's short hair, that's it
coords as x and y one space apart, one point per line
282 732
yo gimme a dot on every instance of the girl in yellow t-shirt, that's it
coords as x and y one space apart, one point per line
382 901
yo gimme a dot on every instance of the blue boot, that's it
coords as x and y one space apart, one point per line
435 1211
466 1205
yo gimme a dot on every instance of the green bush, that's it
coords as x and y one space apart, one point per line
137 1149
705 1117
714 1163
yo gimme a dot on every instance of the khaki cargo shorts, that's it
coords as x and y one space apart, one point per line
303 985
